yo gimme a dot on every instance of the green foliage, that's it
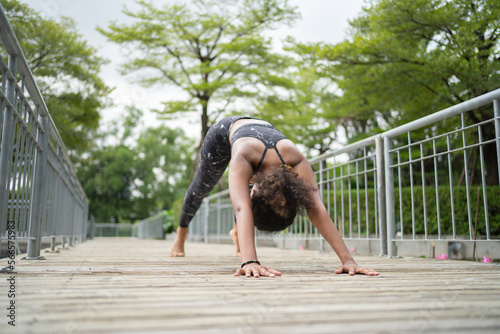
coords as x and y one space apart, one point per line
407 58
460 210
163 162
302 111
214 51
106 177
139 180
170 224
66 69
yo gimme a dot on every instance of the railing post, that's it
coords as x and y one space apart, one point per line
37 193
379 148
321 192
389 198
219 227
205 223
496 108
72 224
7 144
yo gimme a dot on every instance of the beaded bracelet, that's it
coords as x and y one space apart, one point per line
248 262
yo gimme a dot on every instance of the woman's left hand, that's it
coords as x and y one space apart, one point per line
352 268
256 271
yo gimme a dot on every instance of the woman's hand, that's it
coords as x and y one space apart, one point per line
352 268
255 270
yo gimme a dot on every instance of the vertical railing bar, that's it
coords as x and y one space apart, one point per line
328 193
27 146
22 165
322 166
342 199
358 211
380 195
452 199
466 172
422 168
6 145
483 179
349 185
335 220
35 224
411 188
496 113
436 183
26 177
14 180
376 200
55 189
205 222
366 194
389 198
2 108
400 190
218 221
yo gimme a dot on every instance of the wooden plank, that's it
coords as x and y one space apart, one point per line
131 285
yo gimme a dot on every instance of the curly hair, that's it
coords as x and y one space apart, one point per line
279 195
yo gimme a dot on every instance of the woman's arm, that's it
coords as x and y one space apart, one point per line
240 173
322 221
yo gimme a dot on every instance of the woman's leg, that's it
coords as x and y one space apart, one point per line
234 235
180 239
215 154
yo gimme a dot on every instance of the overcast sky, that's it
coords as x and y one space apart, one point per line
322 20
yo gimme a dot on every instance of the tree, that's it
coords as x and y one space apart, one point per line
213 50
139 176
163 162
67 72
107 177
301 105
407 58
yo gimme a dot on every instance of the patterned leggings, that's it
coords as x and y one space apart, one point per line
215 154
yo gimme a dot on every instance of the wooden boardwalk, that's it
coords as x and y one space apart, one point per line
132 286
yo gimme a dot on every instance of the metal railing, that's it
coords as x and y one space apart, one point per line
151 228
402 185
39 190
437 163
114 230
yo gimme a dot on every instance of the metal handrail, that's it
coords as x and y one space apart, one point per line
35 169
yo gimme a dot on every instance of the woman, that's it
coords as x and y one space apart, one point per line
283 182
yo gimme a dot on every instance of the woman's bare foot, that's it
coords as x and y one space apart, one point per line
234 235
180 239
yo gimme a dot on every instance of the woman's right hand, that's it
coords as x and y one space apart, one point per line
256 270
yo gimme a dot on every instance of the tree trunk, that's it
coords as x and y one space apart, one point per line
204 130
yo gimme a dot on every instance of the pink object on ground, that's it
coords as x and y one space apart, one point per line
442 257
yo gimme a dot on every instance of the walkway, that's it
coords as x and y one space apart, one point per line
131 286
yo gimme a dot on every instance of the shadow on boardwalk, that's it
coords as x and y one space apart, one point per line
132 286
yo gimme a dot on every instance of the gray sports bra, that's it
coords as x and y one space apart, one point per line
266 133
